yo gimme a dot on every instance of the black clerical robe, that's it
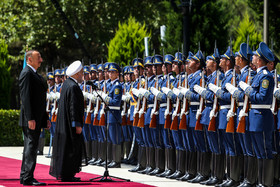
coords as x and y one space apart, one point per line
68 147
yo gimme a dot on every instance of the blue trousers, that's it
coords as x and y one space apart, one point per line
147 136
115 136
262 143
231 143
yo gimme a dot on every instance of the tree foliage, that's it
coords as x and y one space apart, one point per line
128 41
5 78
247 28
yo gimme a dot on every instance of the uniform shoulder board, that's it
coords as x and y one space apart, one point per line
265 72
117 83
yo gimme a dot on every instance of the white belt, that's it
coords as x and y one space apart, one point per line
240 104
114 107
194 103
209 102
163 105
224 107
150 105
260 106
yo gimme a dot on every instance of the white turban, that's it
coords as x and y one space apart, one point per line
74 68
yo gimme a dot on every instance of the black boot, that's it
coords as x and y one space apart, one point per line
159 160
227 160
235 165
171 163
126 150
85 160
94 149
183 178
180 166
133 154
212 165
141 160
116 160
268 172
167 164
251 174
191 167
276 169
101 153
150 166
219 170
204 168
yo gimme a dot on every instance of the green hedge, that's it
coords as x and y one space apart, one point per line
10 131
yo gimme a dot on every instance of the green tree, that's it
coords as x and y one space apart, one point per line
128 41
245 28
5 78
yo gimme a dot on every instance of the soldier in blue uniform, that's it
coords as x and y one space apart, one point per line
146 131
113 101
261 123
230 140
170 153
138 69
93 129
213 137
250 160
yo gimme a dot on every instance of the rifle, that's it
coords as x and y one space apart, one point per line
174 124
141 122
167 123
54 116
97 107
136 117
89 109
185 109
153 123
48 91
102 111
124 107
215 109
198 125
242 122
230 124
274 107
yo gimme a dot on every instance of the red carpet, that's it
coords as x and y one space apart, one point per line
10 170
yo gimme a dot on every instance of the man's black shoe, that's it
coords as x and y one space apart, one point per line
33 182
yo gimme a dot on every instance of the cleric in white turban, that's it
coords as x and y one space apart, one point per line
68 147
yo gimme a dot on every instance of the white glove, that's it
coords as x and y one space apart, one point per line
198 112
135 92
213 88
128 112
103 95
165 113
53 110
243 85
53 95
56 110
165 90
230 114
85 94
57 95
198 89
154 91
184 90
242 113
275 90
174 114
212 114
141 112
102 112
123 113
124 98
49 97
231 88
152 112
176 91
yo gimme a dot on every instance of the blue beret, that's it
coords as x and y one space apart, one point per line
179 57
199 57
100 67
214 56
264 52
148 61
50 75
57 72
114 67
86 69
243 51
137 62
157 60
168 59
189 56
93 67
227 54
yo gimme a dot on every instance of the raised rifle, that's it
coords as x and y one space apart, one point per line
185 109
230 125
143 110
102 111
54 116
274 107
242 121
97 107
124 105
153 122
198 125
174 124
48 107
89 109
138 106
167 123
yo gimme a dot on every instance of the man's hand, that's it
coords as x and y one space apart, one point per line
49 124
32 124
79 130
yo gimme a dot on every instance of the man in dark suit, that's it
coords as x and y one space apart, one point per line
33 115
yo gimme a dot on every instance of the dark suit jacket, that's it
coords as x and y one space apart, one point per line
33 98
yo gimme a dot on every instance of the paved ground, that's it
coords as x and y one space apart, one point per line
16 153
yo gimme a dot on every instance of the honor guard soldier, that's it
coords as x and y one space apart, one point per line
165 112
242 60
213 136
113 101
145 114
138 69
261 124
